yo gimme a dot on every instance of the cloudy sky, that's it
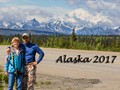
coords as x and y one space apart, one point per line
95 11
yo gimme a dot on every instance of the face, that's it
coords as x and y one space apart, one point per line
25 39
16 44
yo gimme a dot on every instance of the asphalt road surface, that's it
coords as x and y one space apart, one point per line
108 73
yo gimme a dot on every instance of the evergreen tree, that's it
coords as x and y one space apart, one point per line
107 43
73 36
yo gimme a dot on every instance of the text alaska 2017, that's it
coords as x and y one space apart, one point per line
80 59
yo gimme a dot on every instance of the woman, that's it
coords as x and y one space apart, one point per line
14 65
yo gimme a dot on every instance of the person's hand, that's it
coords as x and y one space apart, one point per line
6 73
34 63
8 51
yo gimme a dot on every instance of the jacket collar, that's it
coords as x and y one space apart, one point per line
20 50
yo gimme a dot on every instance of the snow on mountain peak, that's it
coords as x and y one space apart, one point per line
117 27
31 24
64 26
5 24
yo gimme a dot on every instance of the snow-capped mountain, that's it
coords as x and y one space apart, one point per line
13 25
97 31
61 26
2 25
31 24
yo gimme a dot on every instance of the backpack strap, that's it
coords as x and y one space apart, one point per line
22 56
11 56
13 59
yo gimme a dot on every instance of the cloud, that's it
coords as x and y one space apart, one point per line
56 10
99 17
79 13
103 4
90 10
24 13
4 1
108 8
99 8
73 2
27 12
83 15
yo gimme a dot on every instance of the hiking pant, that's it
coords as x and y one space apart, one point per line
11 80
29 77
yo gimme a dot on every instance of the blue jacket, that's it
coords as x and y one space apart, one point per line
14 62
30 50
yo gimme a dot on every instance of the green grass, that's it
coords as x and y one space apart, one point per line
46 83
3 78
1 88
1 70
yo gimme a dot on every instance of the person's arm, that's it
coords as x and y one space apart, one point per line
6 65
41 54
8 50
22 46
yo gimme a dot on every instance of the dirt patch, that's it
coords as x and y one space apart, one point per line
49 82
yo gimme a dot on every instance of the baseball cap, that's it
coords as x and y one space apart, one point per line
25 34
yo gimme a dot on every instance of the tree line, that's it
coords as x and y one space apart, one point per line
81 42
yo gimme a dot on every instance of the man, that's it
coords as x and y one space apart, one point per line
30 50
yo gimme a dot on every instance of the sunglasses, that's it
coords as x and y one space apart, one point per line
25 37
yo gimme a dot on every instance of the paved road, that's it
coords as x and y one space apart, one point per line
109 73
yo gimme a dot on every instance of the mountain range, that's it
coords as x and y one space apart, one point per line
57 26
